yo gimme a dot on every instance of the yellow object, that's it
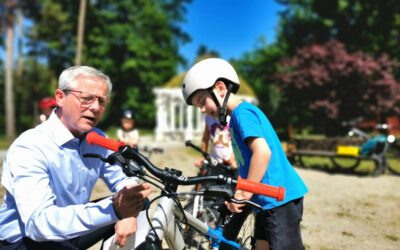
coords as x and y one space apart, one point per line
348 150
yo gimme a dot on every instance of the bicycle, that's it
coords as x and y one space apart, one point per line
360 145
209 210
169 216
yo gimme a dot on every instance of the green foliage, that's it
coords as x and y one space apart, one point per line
370 26
135 42
366 86
258 68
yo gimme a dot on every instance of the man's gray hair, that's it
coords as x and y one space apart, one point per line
69 75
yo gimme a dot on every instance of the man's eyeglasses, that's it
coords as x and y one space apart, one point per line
86 99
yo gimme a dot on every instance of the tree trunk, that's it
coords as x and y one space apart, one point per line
81 32
9 94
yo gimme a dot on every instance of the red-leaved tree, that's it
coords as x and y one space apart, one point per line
325 84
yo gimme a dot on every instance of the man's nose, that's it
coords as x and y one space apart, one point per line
96 105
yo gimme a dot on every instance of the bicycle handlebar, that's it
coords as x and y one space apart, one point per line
171 176
95 138
189 143
252 186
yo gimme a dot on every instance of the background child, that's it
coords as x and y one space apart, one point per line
46 106
217 140
128 133
211 85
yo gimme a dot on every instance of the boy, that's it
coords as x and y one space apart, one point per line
211 85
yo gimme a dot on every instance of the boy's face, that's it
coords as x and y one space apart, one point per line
203 100
127 123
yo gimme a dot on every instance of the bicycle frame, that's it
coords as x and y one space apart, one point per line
167 227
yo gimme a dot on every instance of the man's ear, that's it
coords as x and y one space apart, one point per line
60 97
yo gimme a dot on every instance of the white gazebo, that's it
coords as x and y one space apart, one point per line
175 119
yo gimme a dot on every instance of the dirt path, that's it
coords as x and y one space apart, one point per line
347 212
341 211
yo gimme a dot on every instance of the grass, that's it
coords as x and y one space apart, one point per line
392 237
4 143
318 142
324 163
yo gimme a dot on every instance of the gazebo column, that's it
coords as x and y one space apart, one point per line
200 121
189 123
172 127
161 116
181 115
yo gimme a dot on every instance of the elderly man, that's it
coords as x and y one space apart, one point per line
48 182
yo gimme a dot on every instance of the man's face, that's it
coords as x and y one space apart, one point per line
203 100
82 106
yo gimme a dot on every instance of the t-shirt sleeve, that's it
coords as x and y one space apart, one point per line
248 125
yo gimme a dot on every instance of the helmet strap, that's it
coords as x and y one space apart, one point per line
222 110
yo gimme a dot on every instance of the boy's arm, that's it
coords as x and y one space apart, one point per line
261 155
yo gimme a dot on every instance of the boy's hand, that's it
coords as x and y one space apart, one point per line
239 195
199 162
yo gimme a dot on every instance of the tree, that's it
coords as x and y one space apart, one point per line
134 41
258 68
140 52
325 84
370 26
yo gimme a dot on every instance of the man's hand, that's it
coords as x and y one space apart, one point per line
123 229
129 201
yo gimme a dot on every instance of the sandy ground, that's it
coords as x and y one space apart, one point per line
340 211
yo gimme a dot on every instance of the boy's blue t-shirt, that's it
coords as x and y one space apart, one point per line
247 121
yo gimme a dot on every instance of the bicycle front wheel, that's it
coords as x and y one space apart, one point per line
345 163
393 161
240 228
192 238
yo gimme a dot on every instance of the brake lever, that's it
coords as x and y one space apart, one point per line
246 202
133 169
227 194
90 155
129 167
111 159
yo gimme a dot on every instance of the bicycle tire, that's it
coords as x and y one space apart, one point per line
240 228
346 163
192 238
392 161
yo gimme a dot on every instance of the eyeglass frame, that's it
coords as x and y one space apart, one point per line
103 101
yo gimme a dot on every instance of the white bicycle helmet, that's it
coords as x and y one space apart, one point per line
204 75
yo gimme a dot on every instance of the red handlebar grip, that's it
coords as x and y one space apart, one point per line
259 188
95 138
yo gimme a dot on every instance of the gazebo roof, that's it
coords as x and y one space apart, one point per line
245 89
